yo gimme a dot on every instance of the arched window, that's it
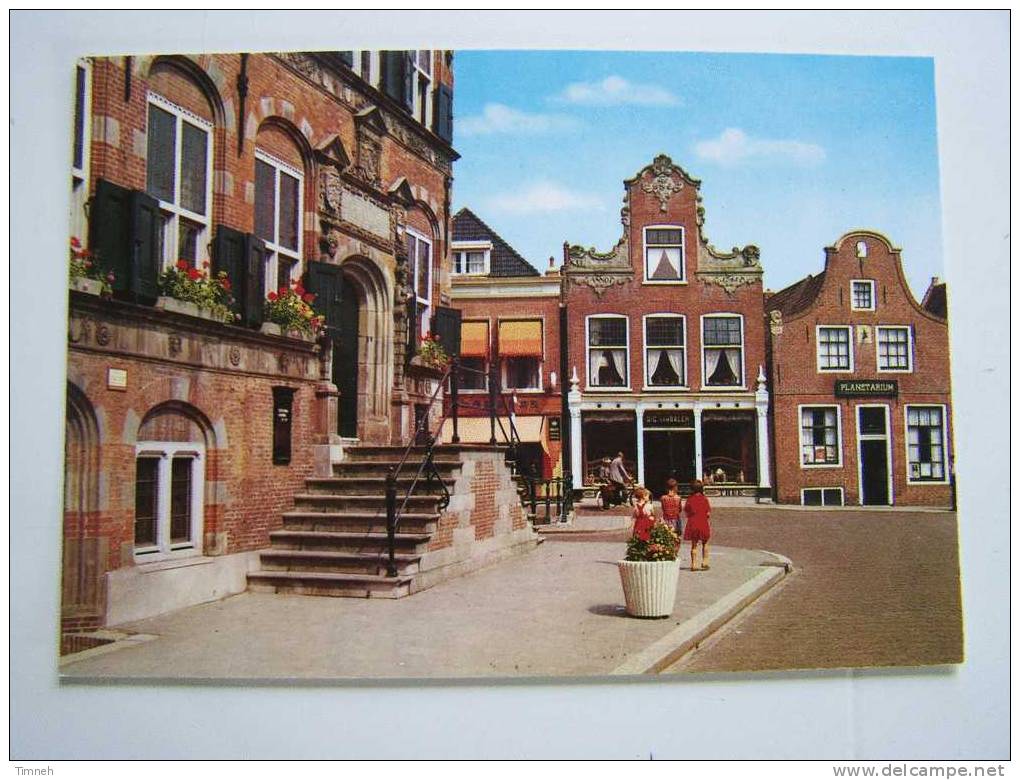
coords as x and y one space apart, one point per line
279 203
178 168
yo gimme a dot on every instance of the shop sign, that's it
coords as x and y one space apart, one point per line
866 388
677 418
554 429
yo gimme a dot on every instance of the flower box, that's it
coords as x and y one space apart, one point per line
86 285
271 329
185 307
649 587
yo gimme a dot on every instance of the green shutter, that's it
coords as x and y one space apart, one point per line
145 247
446 325
346 57
392 63
228 256
325 280
254 281
443 113
409 78
109 231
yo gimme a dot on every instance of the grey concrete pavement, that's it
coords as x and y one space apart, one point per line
555 611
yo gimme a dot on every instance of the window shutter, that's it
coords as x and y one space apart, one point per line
443 114
228 256
446 325
412 327
108 231
145 244
325 280
409 76
392 63
254 281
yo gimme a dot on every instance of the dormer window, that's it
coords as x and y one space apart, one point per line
664 254
471 259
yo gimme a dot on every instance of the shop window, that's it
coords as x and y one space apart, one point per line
894 348
821 497
419 259
80 149
169 488
665 353
926 450
819 436
723 351
664 254
278 207
608 358
834 348
862 295
178 175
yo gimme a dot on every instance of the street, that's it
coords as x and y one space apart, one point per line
869 588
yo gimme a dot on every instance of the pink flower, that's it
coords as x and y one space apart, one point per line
75 243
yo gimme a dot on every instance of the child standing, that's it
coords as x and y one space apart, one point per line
698 511
671 507
644 517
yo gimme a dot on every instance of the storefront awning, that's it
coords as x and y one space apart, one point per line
521 338
476 430
474 339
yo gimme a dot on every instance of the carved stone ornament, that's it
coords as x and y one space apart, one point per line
369 153
329 191
665 184
600 282
729 282
174 344
776 322
234 355
283 361
103 335
78 329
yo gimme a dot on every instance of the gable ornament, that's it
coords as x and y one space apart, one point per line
665 184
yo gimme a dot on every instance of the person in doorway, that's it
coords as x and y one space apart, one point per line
670 503
618 476
644 516
698 511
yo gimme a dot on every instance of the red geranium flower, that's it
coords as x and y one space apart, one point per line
205 264
75 243
308 298
183 264
272 295
225 284
299 288
194 274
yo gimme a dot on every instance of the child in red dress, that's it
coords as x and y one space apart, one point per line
671 507
698 511
644 517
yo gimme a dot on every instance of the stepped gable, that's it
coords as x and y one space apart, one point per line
505 260
934 300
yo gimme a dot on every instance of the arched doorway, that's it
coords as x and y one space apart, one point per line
363 356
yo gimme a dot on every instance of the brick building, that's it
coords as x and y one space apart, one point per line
666 347
510 315
186 437
860 383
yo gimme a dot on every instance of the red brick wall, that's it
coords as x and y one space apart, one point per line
796 380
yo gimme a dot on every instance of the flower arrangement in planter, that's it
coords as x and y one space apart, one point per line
210 295
432 353
85 273
291 309
650 572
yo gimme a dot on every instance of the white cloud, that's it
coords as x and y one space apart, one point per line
543 196
617 91
498 118
734 146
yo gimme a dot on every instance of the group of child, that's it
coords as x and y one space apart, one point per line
696 508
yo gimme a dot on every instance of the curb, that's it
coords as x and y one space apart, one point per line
689 634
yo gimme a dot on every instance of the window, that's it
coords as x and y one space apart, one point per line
423 85
723 351
521 351
665 355
474 374
474 355
926 451
894 348
819 436
419 259
179 148
168 499
862 295
834 349
80 149
278 205
522 373
821 497
608 362
365 65
664 254
471 259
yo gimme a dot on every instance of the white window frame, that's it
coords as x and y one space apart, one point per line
485 379
423 325
842 496
945 444
174 211
873 437
273 248
505 385
373 66
589 384
743 357
850 349
429 76
166 451
460 250
685 385
839 436
871 285
80 179
910 349
683 254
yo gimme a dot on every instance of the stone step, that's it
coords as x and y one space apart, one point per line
360 486
380 468
344 541
337 562
353 522
378 453
364 502
331 584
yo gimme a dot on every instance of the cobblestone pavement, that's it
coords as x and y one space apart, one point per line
869 588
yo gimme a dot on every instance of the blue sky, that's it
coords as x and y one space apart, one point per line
793 151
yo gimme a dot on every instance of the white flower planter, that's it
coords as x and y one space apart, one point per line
649 587
85 285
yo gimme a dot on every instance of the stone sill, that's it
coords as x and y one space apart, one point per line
173 563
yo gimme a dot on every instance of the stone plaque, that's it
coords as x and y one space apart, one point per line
360 211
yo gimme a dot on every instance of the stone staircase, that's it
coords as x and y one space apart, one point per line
334 543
